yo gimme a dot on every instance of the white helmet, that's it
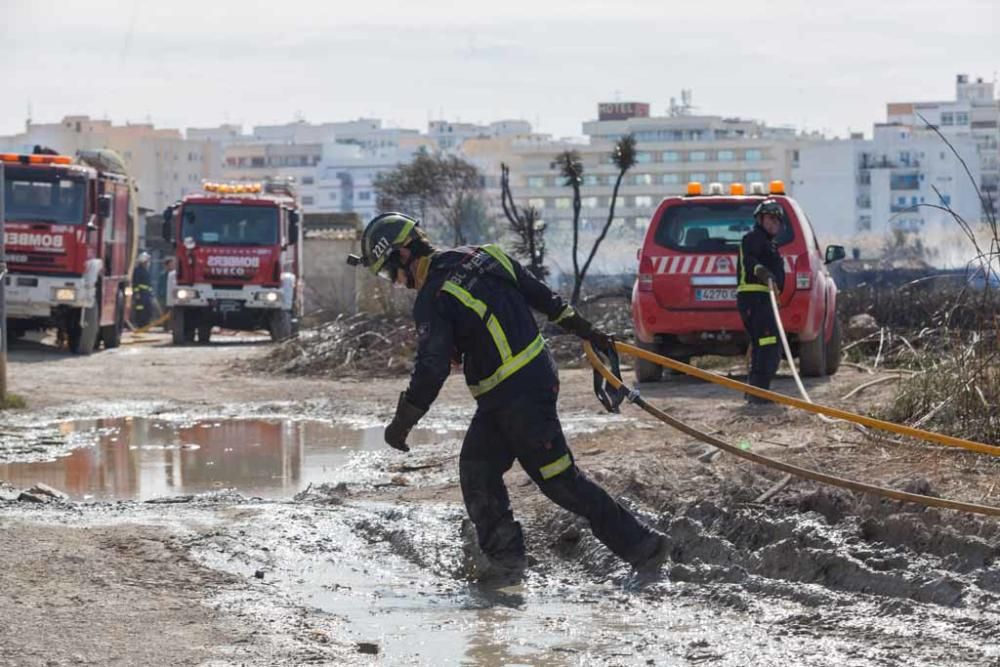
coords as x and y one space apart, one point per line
144 257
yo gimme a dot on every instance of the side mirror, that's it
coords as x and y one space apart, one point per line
293 226
168 227
104 206
835 253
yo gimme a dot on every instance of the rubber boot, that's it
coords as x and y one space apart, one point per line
502 567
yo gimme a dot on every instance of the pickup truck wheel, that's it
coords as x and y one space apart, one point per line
833 350
812 357
647 371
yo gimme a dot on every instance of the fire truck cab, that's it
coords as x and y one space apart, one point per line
70 237
239 261
684 297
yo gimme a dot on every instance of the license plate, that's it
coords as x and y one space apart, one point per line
715 294
229 305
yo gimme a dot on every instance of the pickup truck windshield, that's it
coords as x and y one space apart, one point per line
710 227
58 200
222 224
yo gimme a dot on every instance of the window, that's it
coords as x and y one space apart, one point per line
643 201
697 156
536 181
589 202
307 200
947 118
643 179
333 196
218 224
901 201
643 157
752 176
537 203
365 195
726 156
308 180
669 179
961 118
726 177
864 223
671 156
946 200
698 176
562 202
753 154
591 179
706 228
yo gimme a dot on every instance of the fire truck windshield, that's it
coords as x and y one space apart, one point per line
58 200
222 224
715 227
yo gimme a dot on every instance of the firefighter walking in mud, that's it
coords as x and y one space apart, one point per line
474 305
758 266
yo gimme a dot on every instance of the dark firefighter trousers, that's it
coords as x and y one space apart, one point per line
527 429
762 330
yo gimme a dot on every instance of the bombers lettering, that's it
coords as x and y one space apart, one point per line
52 241
234 261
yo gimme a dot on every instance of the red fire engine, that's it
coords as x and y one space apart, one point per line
684 297
70 233
239 259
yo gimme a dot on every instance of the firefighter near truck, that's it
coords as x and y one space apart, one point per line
684 296
70 235
239 261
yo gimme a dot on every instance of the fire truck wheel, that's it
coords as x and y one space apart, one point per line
280 325
647 371
83 337
812 357
204 334
112 334
181 327
833 350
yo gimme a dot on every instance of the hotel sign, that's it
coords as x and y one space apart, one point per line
622 110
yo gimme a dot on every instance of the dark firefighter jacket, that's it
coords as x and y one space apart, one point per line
475 306
758 248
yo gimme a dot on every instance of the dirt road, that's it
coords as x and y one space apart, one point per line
367 568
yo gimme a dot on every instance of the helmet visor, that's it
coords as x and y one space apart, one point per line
387 267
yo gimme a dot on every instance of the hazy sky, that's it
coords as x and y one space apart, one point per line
182 63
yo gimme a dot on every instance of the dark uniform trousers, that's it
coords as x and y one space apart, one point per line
527 429
765 352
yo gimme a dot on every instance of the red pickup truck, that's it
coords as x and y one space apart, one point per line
684 297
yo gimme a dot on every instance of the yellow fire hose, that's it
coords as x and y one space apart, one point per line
815 408
804 473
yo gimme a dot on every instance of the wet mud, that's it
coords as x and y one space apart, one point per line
307 541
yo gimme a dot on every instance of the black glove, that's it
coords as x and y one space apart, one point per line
407 415
762 274
578 325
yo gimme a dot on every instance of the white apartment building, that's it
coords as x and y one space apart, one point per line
672 151
165 165
856 191
974 112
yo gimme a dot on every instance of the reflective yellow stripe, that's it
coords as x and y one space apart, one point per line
768 340
566 312
492 325
498 254
467 299
499 338
744 286
559 465
509 367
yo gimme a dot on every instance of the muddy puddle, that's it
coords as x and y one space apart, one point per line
142 458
